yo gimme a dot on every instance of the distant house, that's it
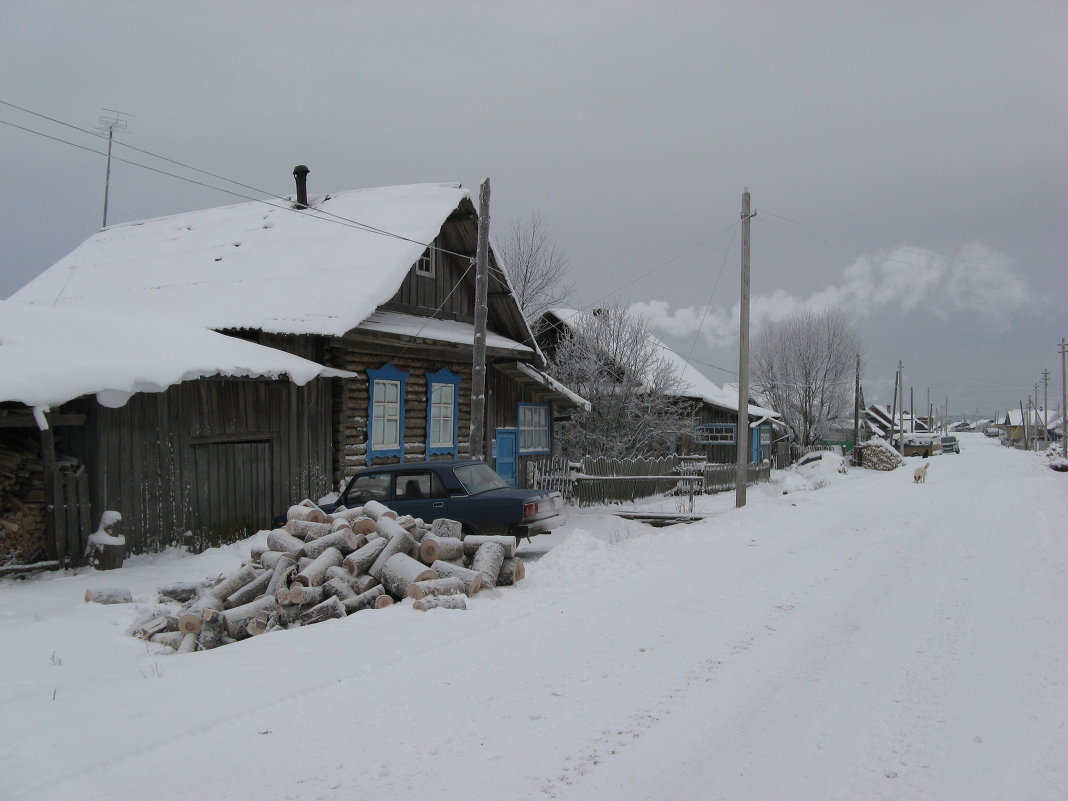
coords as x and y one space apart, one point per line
715 409
884 421
376 282
1021 430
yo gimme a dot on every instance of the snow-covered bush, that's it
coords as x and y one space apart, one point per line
1056 459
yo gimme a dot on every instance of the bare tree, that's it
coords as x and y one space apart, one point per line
804 367
536 267
610 358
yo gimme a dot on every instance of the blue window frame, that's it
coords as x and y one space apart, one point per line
442 411
714 434
385 413
535 427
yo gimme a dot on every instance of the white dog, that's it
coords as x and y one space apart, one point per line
920 476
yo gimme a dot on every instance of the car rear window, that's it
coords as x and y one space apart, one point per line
478 478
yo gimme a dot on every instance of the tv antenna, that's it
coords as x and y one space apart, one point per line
108 123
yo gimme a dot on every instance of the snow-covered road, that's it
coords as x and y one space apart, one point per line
873 639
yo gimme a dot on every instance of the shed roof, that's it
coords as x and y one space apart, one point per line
51 356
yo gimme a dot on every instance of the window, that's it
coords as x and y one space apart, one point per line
478 478
428 262
385 436
417 486
374 487
714 434
765 435
533 428
443 411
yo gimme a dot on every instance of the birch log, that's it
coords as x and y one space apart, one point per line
472 579
235 620
441 602
359 560
512 572
473 542
172 639
343 539
399 542
191 619
443 527
313 574
250 592
269 559
281 540
339 587
188 644
400 570
109 595
440 586
299 594
182 591
363 525
364 582
365 600
328 609
376 510
433 548
307 513
233 582
341 513
488 560
306 531
284 569
211 632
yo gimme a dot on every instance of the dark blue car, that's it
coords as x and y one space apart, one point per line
465 490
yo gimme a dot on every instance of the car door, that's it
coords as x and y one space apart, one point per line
419 493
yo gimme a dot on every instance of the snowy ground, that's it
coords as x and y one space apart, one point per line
871 639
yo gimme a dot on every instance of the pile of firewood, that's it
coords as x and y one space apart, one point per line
22 515
877 454
321 566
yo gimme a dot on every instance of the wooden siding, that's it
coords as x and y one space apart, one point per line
206 462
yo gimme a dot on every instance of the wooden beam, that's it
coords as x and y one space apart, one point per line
27 420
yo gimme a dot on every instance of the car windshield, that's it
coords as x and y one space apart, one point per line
478 478
949 440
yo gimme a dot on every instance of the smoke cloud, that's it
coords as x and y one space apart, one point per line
978 280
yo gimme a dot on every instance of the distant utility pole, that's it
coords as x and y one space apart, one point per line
1045 403
856 415
741 470
912 410
1064 403
110 124
901 407
478 366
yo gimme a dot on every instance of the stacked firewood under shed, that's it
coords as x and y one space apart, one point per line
22 501
321 566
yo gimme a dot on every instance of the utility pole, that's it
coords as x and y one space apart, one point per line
912 410
1045 404
741 470
901 408
478 366
110 125
856 415
930 412
1064 403
1034 426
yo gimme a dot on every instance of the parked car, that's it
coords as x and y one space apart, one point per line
950 445
992 432
465 490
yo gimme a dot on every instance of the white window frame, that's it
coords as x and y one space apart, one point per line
427 266
541 431
714 434
390 413
443 413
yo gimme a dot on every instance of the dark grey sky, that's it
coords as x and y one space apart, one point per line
907 159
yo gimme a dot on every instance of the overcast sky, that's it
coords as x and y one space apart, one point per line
907 160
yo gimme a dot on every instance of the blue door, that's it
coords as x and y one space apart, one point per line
506 454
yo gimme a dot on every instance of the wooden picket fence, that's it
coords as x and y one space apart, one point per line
599 480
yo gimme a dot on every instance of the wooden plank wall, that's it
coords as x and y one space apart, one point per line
208 461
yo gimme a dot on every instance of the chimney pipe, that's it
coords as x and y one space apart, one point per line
300 173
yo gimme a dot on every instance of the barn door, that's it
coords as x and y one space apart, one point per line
233 491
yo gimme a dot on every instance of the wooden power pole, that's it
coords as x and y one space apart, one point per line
478 366
1064 403
741 472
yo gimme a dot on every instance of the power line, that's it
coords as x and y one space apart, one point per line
322 214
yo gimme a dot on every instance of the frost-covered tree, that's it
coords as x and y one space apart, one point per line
803 366
536 267
611 359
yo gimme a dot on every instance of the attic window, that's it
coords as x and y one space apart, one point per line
428 262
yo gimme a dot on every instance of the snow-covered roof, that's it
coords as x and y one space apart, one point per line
50 356
256 265
438 330
697 386
1034 417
